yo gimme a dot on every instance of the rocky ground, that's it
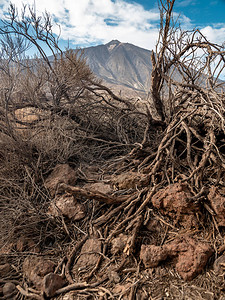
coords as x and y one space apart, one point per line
107 250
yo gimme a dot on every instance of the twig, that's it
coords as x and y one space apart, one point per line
77 286
71 258
27 294
92 195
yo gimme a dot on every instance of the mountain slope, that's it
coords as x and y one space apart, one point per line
121 64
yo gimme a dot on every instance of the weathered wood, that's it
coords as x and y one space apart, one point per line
78 191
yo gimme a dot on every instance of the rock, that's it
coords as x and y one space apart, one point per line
9 288
191 255
100 187
62 173
152 255
24 243
130 180
175 201
68 207
30 114
118 244
218 204
51 283
35 268
88 256
5 270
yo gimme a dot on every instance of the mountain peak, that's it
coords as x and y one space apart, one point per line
121 64
111 45
113 42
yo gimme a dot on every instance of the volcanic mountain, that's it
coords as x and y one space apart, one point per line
121 64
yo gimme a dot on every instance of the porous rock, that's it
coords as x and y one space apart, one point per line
51 283
191 255
62 173
175 201
68 206
152 255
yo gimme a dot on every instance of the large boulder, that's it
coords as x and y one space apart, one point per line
30 114
175 202
190 256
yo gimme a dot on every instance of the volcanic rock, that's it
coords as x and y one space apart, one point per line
129 180
68 206
152 255
189 255
51 283
88 256
35 268
175 201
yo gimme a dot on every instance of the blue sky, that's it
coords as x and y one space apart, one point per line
92 22
201 12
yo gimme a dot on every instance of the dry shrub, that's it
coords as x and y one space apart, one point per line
52 112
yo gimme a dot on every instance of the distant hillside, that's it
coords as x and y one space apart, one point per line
121 64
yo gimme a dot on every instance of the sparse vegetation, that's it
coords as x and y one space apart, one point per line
127 160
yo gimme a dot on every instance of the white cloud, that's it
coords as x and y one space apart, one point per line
215 34
89 22
184 3
99 21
